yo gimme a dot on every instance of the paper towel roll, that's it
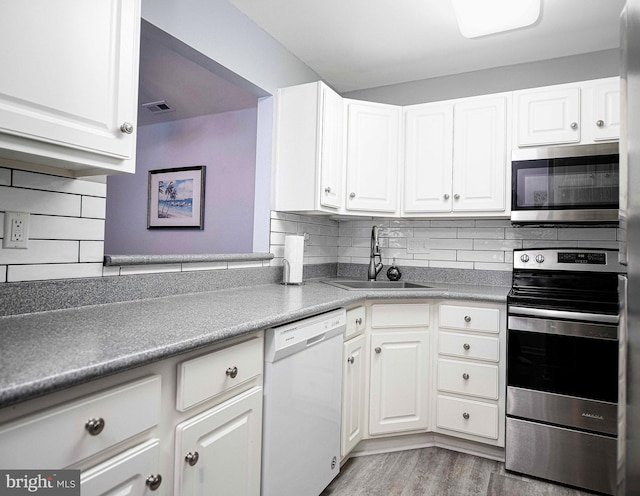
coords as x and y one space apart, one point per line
293 256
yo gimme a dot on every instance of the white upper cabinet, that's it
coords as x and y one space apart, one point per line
373 160
569 113
71 98
309 149
428 162
456 156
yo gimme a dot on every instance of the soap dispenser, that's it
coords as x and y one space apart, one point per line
394 273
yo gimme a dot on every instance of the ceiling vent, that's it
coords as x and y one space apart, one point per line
158 107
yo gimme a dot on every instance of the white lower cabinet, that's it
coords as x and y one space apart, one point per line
353 393
218 451
473 418
133 472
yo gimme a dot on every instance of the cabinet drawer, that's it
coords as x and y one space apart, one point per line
126 411
471 417
355 322
469 346
204 377
400 315
474 379
469 318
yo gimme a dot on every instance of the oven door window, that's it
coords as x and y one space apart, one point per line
568 365
569 183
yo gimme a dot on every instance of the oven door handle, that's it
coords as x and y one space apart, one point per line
559 314
563 327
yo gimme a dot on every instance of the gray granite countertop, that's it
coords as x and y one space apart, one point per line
49 351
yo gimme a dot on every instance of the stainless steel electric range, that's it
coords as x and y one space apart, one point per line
562 366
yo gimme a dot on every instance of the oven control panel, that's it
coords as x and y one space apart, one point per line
567 259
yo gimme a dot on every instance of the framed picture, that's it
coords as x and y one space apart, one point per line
176 198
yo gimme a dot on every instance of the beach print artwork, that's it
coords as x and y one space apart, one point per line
176 198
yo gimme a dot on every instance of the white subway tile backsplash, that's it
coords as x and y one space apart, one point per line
46 182
586 233
128 270
110 271
244 265
493 266
284 226
466 223
482 233
480 256
446 264
436 232
51 227
186 267
1 224
497 244
5 176
91 251
94 207
42 251
538 243
39 202
531 233
3 273
17 273
451 244
606 245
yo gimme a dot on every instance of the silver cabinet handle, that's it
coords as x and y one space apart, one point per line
352 195
126 128
94 426
465 376
574 125
378 349
351 360
599 123
465 416
467 318
232 372
456 196
466 346
327 190
359 321
192 458
446 196
153 481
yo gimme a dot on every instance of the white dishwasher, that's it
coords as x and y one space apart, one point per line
302 404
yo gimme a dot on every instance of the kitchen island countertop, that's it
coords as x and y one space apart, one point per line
45 352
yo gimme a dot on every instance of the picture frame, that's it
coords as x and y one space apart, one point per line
176 198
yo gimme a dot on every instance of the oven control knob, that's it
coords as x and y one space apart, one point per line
539 258
524 257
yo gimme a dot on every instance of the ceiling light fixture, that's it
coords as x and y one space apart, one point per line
482 17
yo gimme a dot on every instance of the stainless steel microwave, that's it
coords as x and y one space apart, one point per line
565 184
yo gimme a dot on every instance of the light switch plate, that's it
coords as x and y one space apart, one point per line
418 245
16 230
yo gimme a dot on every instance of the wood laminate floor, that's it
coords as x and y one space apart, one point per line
435 472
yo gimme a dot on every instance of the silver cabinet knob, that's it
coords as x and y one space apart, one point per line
599 123
378 349
467 318
232 372
465 416
456 196
94 426
192 458
446 196
465 376
466 346
126 128
539 258
574 125
327 190
352 195
359 321
351 360
153 481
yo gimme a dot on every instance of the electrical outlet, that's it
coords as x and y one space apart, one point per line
417 245
16 230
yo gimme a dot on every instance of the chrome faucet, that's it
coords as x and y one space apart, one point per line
374 268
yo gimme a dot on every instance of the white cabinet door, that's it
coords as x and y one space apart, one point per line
480 154
428 162
218 451
606 110
548 116
399 388
134 472
309 149
373 132
353 370
74 79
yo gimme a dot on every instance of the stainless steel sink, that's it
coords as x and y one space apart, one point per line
351 285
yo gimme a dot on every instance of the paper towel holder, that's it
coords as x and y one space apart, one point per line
286 274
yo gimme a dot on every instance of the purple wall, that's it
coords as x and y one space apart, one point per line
226 145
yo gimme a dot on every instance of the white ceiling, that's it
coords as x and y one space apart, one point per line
358 44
